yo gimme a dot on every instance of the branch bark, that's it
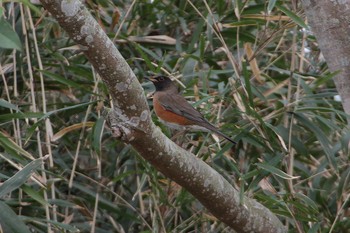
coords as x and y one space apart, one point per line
131 119
329 21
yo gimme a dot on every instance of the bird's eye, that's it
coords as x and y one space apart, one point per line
161 78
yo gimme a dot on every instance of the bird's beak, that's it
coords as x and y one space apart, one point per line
150 78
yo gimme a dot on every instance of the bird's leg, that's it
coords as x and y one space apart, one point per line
177 135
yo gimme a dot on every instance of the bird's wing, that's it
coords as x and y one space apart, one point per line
179 105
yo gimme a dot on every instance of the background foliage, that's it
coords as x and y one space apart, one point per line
272 91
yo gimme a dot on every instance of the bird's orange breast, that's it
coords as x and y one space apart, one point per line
169 116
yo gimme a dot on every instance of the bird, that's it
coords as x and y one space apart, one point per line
174 110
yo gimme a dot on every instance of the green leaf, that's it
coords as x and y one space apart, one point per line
8 37
325 78
20 115
6 104
28 4
62 80
143 52
261 174
97 134
195 35
20 177
275 171
12 147
247 83
122 176
63 227
296 19
270 6
103 202
9 221
48 114
244 22
311 205
32 129
320 136
37 196
315 228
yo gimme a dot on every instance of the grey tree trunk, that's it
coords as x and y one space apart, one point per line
330 23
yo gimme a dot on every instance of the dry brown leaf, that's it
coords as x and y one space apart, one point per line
68 129
252 62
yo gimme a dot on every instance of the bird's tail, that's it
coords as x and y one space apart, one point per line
211 127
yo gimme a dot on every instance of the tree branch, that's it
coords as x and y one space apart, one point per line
131 119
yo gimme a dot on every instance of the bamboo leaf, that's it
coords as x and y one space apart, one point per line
8 37
320 136
6 104
20 177
296 19
12 147
276 171
97 134
270 6
37 196
21 115
10 222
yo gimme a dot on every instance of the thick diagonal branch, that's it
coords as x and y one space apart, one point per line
131 118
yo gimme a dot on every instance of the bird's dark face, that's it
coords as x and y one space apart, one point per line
162 82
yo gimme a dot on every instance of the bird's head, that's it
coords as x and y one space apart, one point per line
162 83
